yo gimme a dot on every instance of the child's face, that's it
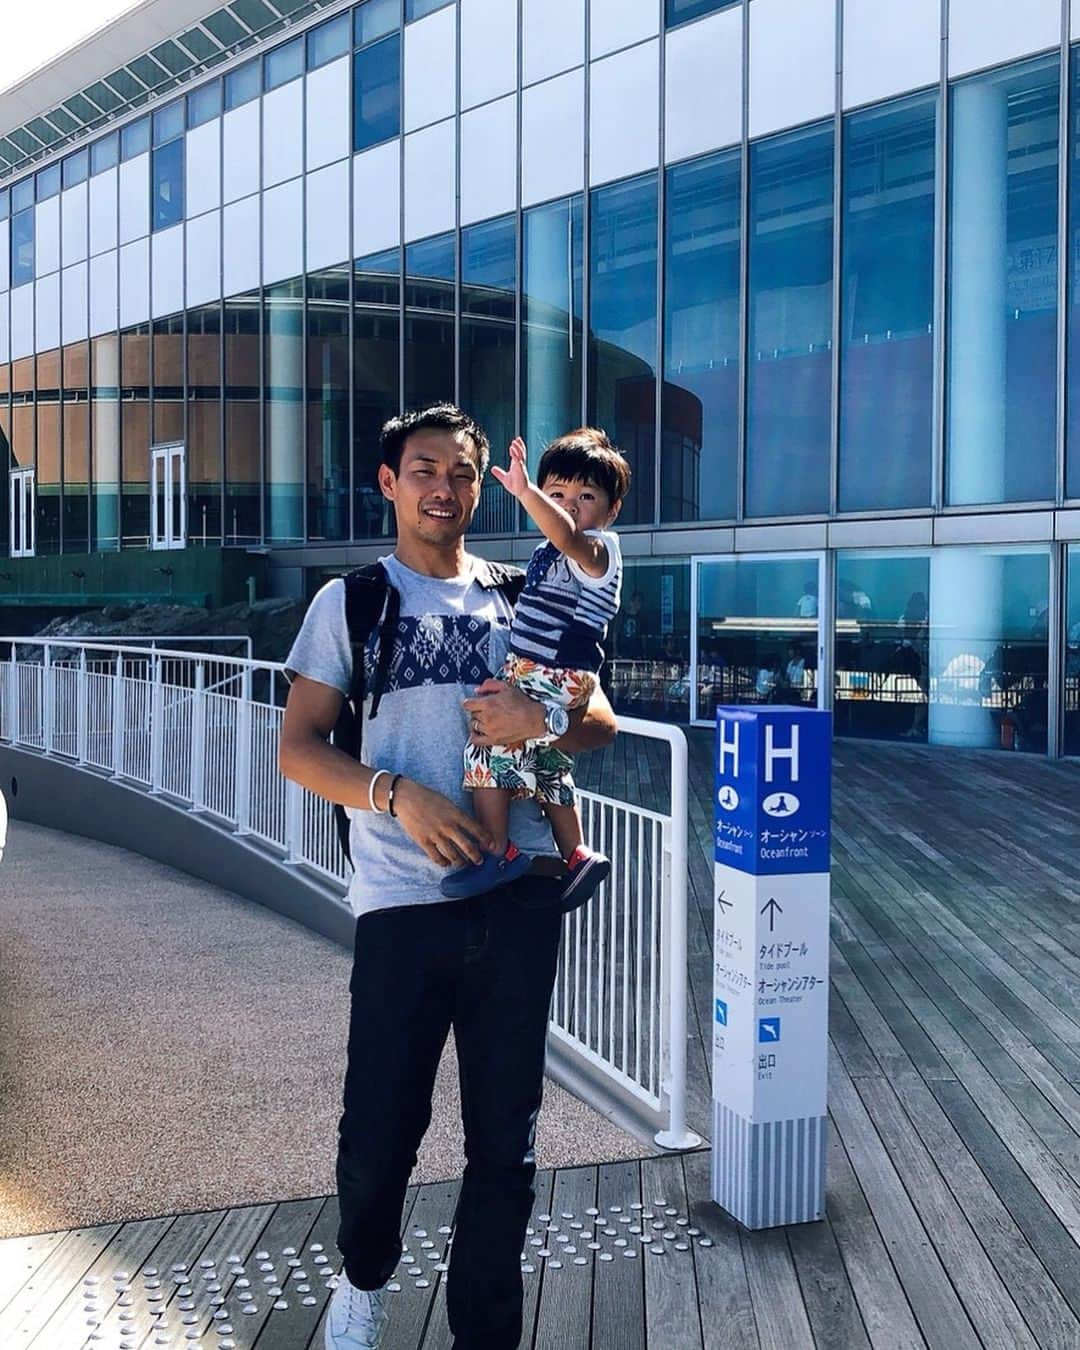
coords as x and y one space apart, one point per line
589 505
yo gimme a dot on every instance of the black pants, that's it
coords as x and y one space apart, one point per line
486 967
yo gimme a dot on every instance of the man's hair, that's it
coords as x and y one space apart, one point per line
586 456
438 417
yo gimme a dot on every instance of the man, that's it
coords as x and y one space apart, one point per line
484 966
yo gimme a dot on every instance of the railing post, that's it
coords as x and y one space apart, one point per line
242 768
13 715
198 739
674 954
118 715
157 713
82 709
294 822
47 702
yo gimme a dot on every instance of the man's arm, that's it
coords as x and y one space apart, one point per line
503 715
447 834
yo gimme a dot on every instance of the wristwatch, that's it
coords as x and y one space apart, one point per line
556 723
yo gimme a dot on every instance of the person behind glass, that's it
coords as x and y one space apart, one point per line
422 965
560 622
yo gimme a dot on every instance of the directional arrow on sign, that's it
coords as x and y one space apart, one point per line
772 908
724 904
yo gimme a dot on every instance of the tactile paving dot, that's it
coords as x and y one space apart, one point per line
657 1251
281 1305
529 1269
581 1260
606 1256
630 1251
262 1256
309 1301
394 1287
420 1232
423 1284
444 1228
250 1309
682 1246
554 1265
546 1218
705 1242
415 1270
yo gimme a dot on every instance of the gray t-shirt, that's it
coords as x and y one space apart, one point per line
451 635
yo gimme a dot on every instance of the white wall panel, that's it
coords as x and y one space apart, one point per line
553 138
47 237
792 63
327 210
377 199
703 86
553 33
73 226
489 160
75 303
283 133
624 121
202 168
241 141
911 35
240 247
619 23
5 254
22 321
47 313
104 315
489 37
989 32
135 282
167 271
134 198
431 69
329 115
429 181
283 232
103 211
5 327
202 246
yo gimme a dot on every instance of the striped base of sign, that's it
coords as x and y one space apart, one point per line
770 1174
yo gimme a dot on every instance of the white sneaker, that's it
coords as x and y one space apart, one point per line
357 1318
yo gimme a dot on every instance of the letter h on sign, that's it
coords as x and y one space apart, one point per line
774 752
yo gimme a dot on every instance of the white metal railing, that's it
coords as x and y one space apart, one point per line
201 731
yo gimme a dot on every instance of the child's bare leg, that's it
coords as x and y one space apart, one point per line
491 807
565 826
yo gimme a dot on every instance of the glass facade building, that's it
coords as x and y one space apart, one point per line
832 322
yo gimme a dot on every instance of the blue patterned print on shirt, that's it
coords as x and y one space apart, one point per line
439 649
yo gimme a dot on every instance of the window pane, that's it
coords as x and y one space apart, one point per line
375 19
552 348
243 426
76 447
328 404
47 453
1072 463
76 168
48 182
22 247
649 668
168 187
104 153
167 420
284 64
328 41
948 647
5 203
755 642
887 345
135 139
168 122
135 437
790 316
1071 712
105 464
377 93
203 104
203 439
416 9
488 353
622 330
22 194
243 84
284 358
376 327
678 11
1003 285
429 322
700 432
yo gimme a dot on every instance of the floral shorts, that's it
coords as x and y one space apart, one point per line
528 769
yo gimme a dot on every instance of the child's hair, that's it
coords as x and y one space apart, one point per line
586 456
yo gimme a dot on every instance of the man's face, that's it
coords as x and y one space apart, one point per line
437 487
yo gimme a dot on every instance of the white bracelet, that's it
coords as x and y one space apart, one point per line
379 773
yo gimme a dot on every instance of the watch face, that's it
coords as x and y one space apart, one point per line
558 721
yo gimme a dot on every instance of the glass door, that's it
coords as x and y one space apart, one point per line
755 636
21 517
168 486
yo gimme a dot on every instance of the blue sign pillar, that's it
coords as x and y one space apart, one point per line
771 963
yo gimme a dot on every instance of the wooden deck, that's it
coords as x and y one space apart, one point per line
954 1157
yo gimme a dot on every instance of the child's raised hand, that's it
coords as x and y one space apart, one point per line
515 478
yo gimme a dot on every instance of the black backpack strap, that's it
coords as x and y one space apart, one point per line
499 577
